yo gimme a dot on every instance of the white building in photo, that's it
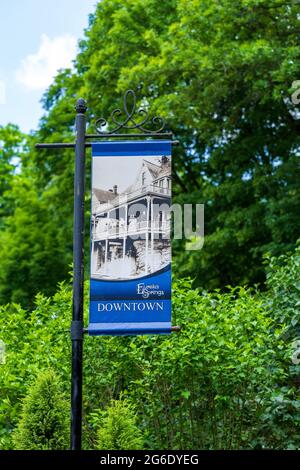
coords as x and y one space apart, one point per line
131 229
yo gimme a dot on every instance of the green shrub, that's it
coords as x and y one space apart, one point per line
118 429
226 381
280 419
34 340
44 423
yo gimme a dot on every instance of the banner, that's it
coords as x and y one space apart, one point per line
130 288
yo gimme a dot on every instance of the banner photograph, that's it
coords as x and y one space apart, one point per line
130 289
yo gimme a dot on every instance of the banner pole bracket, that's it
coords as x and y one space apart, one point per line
174 329
77 330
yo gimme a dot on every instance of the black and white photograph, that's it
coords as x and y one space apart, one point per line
131 198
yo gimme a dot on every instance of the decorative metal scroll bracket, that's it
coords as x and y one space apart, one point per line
130 123
134 119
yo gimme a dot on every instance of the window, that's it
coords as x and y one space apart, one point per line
143 178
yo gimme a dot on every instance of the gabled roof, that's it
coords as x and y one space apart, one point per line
164 171
152 167
103 196
158 171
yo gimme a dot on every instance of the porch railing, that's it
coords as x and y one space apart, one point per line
128 197
133 228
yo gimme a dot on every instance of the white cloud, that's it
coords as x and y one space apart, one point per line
37 71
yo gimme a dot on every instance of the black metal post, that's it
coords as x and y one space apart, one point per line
77 329
78 260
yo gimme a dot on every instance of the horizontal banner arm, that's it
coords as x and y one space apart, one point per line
87 144
164 135
174 329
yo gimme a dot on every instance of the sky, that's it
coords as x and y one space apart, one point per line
37 37
104 171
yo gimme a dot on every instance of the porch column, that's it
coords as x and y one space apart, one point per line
125 231
152 228
105 254
94 266
106 243
147 236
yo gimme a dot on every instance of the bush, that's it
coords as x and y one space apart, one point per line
226 381
34 340
280 420
118 429
44 423
206 387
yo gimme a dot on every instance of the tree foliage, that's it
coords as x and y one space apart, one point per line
226 381
221 73
32 247
44 423
11 148
118 429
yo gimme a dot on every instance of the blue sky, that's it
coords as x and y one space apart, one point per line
36 38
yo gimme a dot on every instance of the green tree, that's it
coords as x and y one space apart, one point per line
44 423
32 246
220 72
118 429
35 340
11 149
282 413
226 381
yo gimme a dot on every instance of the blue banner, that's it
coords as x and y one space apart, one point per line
130 288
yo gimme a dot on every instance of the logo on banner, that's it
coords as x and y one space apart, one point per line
147 290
